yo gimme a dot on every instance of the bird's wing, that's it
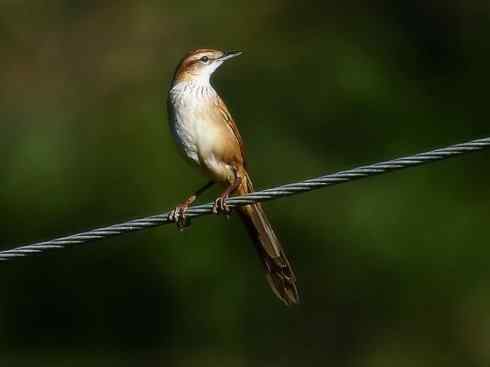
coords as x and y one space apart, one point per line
225 114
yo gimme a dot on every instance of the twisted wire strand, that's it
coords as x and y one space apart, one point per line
264 195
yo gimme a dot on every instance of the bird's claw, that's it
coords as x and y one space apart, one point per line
220 206
178 216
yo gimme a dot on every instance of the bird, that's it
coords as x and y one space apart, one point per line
208 137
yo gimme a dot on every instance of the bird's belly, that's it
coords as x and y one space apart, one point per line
201 142
210 151
184 134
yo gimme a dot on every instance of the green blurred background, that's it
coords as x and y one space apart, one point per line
393 270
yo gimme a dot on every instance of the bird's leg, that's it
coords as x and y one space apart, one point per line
220 205
178 216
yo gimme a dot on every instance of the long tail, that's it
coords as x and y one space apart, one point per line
279 272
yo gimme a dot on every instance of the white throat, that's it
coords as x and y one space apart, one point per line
199 89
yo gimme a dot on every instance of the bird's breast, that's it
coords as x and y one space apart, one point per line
202 132
197 131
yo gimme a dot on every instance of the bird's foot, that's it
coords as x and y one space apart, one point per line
220 206
179 217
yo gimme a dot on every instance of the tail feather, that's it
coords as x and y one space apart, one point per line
279 272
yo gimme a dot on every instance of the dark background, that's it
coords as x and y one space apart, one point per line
393 270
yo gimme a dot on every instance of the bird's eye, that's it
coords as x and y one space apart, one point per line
204 59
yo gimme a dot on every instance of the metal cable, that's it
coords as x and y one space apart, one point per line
269 194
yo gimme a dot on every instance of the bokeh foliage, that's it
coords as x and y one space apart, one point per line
394 270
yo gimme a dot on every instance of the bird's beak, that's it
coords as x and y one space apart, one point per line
229 54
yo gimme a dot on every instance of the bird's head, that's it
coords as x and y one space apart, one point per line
199 65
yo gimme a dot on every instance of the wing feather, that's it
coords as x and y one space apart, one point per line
230 123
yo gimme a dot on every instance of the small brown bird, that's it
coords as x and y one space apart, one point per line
207 135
